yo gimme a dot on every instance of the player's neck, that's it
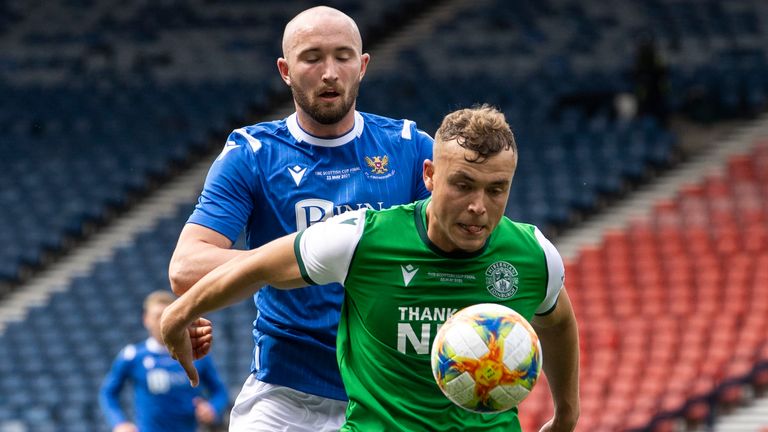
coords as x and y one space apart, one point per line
432 229
312 127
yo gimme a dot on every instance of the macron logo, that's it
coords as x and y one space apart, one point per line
297 173
409 272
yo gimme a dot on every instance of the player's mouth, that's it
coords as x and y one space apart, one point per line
471 229
329 95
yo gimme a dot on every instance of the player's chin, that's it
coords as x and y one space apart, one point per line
470 242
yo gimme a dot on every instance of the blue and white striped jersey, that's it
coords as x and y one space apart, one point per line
273 179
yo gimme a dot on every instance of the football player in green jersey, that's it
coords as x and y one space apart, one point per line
407 269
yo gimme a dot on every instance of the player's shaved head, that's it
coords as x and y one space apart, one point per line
320 18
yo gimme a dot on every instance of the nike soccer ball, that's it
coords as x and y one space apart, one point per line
486 358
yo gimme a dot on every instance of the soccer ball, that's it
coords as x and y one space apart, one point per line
486 358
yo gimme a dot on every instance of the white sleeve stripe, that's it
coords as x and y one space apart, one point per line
253 142
297 251
326 248
555 271
406 133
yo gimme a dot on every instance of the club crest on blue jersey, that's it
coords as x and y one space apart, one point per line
378 164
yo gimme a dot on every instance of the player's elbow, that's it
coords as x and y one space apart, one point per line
180 276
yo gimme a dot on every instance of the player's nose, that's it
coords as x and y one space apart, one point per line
330 70
477 203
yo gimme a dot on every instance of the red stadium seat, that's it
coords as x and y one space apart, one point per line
680 303
740 168
667 425
734 391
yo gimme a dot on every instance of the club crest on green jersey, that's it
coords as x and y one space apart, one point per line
501 280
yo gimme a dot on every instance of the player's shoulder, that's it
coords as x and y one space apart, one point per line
513 227
513 224
405 128
256 136
133 351
375 120
528 233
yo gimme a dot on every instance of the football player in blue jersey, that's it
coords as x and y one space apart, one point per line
275 178
164 401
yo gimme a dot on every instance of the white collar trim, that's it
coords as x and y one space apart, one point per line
153 345
302 136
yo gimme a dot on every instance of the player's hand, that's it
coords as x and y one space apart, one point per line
176 338
204 411
125 427
201 336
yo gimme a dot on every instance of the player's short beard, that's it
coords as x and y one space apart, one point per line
322 115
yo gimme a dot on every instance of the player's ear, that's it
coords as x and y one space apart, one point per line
364 59
282 67
429 172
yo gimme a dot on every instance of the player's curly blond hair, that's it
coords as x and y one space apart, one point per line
482 129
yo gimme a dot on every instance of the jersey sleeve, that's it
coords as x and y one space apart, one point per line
556 272
112 385
424 143
325 250
229 193
218 395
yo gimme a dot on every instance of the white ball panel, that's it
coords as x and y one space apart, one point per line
466 342
509 394
517 346
461 389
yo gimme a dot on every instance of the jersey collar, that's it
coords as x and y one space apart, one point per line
154 346
303 136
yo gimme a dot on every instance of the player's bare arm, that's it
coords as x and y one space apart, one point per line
198 251
559 338
274 264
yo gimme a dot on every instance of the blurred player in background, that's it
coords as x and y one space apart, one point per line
163 399
280 177
398 266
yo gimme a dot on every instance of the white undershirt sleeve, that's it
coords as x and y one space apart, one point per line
556 271
324 250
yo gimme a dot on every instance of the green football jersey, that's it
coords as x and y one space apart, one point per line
400 288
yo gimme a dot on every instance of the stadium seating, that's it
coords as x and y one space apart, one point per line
673 310
83 91
114 106
51 365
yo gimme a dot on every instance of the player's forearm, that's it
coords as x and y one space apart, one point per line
237 279
189 264
219 394
560 345
109 400
225 285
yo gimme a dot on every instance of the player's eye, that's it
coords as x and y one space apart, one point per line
462 186
496 191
